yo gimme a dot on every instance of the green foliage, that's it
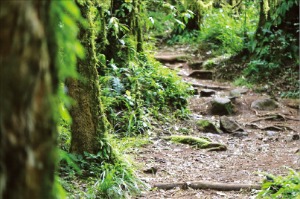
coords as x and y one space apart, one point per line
275 50
186 37
226 30
102 180
169 19
63 18
242 81
281 186
115 181
137 91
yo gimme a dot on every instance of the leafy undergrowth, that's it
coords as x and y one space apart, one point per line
142 90
86 177
281 186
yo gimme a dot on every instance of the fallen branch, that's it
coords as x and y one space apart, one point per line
208 185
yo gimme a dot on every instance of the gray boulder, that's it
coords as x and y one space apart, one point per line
222 106
266 104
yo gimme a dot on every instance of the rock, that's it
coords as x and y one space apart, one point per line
230 126
266 104
271 133
151 170
222 106
238 92
202 74
207 92
207 127
293 137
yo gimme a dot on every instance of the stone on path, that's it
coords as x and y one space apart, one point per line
238 92
230 126
266 104
207 127
222 106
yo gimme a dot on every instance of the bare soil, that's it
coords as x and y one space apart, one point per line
245 160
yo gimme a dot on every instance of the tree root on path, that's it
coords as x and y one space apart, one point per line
275 127
208 185
198 142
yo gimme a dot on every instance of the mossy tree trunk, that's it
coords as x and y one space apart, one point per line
28 128
89 126
132 19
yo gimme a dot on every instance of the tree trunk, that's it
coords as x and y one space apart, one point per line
89 126
28 128
262 20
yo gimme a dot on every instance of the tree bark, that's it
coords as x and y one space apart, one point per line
89 126
28 128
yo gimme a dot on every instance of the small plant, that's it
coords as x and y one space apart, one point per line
281 187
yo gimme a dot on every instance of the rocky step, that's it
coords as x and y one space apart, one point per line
202 74
214 87
171 58
196 65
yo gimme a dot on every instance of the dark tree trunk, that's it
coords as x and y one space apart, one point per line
194 23
28 129
262 20
89 126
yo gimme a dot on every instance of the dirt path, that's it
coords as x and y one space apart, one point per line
261 150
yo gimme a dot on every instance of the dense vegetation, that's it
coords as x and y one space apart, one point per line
105 79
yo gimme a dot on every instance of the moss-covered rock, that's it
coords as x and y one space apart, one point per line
207 127
198 142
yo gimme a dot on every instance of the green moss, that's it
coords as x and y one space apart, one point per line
198 142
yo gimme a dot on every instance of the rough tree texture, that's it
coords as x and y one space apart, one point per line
89 122
27 132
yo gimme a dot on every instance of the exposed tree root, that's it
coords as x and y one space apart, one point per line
208 185
275 127
201 143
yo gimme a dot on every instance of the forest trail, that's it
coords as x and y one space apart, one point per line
268 141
